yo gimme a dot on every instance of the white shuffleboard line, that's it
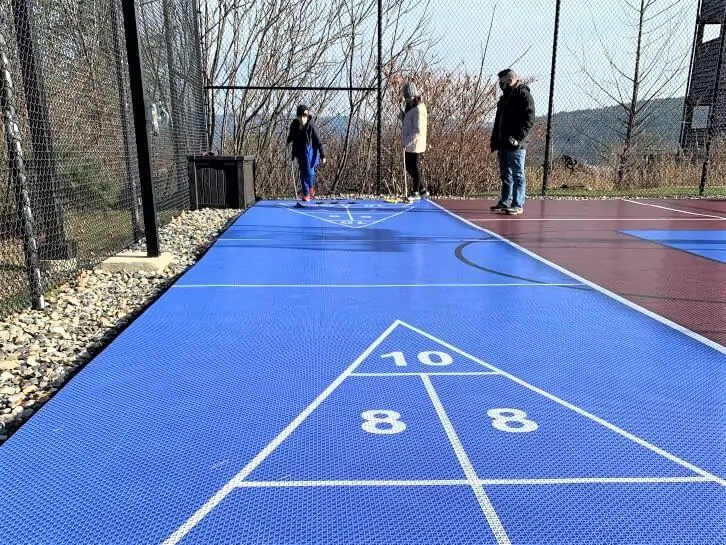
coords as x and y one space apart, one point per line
597 287
239 478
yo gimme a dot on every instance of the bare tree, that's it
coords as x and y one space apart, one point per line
637 78
276 44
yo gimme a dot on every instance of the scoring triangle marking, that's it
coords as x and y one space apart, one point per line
578 410
407 351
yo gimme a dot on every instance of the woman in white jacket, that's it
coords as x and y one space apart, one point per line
414 134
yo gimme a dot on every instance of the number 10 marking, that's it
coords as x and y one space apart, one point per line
433 358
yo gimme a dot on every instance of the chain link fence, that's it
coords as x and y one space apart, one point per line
263 59
170 51
621 80
625 94
70 179
609 82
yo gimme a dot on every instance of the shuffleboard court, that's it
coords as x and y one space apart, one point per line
340 373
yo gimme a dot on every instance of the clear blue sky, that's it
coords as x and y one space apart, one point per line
527 26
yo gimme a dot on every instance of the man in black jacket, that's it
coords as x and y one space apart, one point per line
307 148
513 121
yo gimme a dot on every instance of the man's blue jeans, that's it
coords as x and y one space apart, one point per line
511 171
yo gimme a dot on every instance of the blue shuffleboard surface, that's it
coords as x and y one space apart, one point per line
367 373
710 244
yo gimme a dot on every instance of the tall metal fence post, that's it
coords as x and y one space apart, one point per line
143 150
379 100
553 71
55 241
714 98
131 186
17 171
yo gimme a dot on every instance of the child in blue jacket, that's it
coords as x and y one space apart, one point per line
307 148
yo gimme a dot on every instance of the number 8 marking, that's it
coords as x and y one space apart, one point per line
503 418
382 422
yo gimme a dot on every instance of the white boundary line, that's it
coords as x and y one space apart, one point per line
366 286
597 219
434 374
484 482
384 219
406 209
312 484
578 410
604 291
486 505
222 238
312 216
674 209
331 239
236 481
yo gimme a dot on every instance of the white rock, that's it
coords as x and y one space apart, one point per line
45 346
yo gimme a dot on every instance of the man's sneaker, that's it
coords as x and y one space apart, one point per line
415 196
306 198
498 206
514 211
425 194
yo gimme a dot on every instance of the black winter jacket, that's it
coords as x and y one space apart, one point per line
515 117
301 137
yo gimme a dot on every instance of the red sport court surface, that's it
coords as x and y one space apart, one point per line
587 238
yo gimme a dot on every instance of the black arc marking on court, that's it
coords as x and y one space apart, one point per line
459 253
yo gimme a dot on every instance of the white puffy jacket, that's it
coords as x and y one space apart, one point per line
415 129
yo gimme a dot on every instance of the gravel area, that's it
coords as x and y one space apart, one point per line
41 350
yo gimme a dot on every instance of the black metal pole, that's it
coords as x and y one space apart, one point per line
56 243
131 186
17 171
379 100
712 110
553 70
143 151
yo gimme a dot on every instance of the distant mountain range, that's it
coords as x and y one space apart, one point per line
581 134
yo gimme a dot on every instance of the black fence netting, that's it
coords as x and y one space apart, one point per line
615 85
70 194
629 101
170 57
